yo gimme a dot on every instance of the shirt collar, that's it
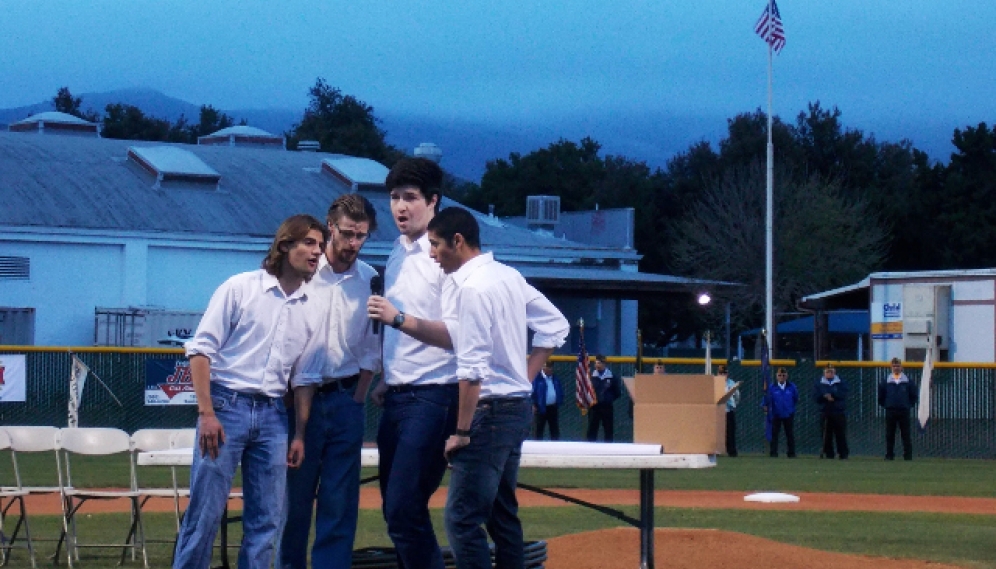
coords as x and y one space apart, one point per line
900 379
327 273
470 266
420 244
269 282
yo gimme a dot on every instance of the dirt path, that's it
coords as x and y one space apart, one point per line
370 499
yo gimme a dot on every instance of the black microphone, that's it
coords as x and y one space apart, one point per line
377 288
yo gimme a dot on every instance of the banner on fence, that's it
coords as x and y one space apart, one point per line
77 380
12 379
168 382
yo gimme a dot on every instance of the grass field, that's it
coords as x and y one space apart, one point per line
966 540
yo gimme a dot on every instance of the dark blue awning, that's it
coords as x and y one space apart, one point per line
849 322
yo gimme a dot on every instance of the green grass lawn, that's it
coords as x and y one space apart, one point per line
965 540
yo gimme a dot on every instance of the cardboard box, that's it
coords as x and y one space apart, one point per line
684 413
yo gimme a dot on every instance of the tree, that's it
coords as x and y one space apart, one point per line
342 124
65 102
211 120
128 122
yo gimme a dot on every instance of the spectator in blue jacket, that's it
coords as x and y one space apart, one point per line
831 397
897 395
547 397
608 388
782 397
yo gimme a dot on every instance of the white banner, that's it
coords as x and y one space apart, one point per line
77 379
13 382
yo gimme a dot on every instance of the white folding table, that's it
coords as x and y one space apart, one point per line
537 454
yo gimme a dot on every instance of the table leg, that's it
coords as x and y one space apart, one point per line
647 519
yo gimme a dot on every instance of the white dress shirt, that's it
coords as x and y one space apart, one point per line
258 338
415 284
350 341
495 306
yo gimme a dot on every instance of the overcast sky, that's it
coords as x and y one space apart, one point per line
891 66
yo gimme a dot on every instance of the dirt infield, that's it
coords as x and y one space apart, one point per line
693 549
370 499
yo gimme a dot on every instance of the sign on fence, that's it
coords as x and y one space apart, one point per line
167 382
12 378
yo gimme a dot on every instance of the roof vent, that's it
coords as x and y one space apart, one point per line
55 123
15 268
170 164
357 173
308 146
242 135
543 210
430 151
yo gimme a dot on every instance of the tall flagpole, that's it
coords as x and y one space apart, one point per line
769 217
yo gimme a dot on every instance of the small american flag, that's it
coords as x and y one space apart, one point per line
769 27
585 391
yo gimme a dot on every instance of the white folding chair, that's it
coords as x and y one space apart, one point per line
96 442
13 495
30 440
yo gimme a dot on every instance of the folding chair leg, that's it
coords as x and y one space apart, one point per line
21 520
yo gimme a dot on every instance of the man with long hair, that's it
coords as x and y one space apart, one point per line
334 437
262 331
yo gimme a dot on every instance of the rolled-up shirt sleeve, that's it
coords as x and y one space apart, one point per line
216 324
473 340
545 320
309 365
369 352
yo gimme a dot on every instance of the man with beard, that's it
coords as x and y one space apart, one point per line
261 330
334 435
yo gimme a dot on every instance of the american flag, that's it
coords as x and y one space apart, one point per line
769 27
584 389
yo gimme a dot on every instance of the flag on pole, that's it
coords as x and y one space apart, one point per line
769 27
585 391
766 377
77 378
923 411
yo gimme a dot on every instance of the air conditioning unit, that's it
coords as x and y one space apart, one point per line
543 210
926 317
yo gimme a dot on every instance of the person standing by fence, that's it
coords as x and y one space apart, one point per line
731 412
831 397
897 395
783 397
608 388
547 397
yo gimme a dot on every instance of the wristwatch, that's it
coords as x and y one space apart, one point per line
398 320
463 432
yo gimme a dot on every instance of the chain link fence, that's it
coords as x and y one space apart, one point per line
962 425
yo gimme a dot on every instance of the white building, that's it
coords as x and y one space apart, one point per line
123 242
953 312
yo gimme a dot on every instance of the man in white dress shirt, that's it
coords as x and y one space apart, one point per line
493 307
262 330
419 391
335 430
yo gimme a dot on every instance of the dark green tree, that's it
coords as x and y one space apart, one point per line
342 124
65 102
128 122
211 120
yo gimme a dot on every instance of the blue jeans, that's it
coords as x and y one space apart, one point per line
412 435
331 467
255 435
482 487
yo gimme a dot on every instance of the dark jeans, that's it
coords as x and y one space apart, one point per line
834 429
330 471
482 487
731 433
413 431
776 425
552 418
600 413
900 418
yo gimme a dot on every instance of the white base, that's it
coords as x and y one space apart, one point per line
771 498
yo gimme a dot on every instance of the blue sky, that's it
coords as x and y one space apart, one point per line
894 68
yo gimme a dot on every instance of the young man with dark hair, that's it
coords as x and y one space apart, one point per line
419 390
608 388
831 397
262 330
334 437
492 308
897 395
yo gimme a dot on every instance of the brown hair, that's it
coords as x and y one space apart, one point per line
421 173
355 207
292 230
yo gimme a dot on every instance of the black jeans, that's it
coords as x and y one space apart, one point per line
600 413
552 418
776 425
900 418
731 433
835 429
